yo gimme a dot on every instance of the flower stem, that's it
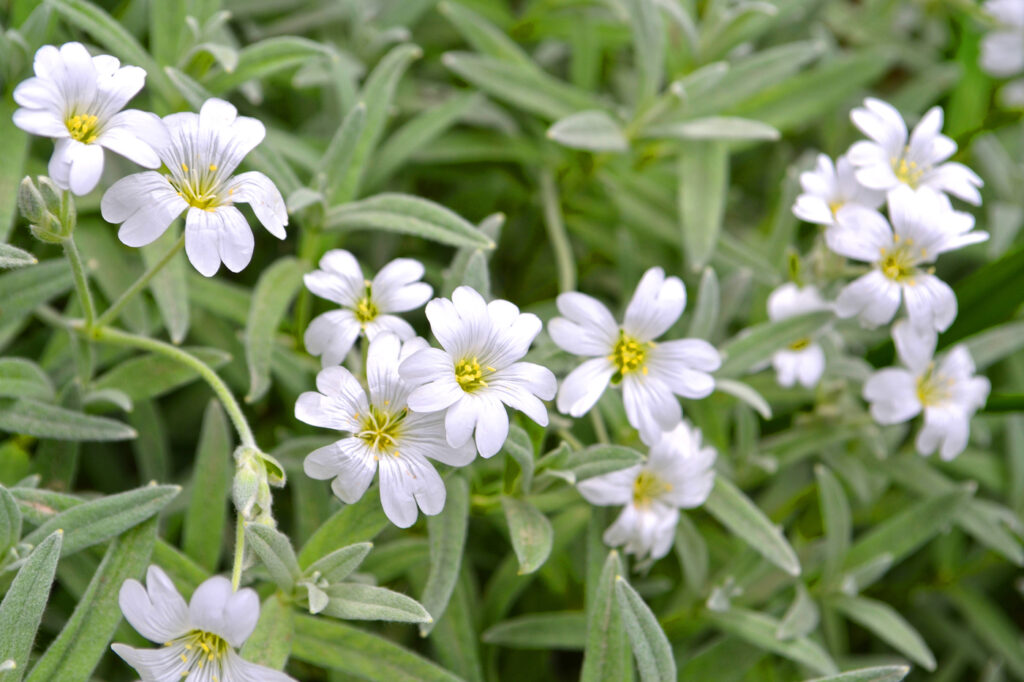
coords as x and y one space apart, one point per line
81 281
556 232
236 567
600 430
120 338
111 313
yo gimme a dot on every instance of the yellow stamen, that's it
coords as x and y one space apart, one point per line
469 374
647 487
82 127
628 355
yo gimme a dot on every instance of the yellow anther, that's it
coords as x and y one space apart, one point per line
629 355
213 166
82 127
647 487
469 374
184 167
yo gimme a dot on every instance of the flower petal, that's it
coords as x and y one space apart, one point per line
157 612
584 386
259 191
656 305
86 168
145 204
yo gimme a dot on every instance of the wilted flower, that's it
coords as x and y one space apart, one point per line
891 160
678 474
385 434
477 370
828 188
365 304
200 152
923 226
651 374
804 360
199 638
77 99
946 391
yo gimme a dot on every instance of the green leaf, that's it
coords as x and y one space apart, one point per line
703 183
270 643
648 47
484 36
359 522
801 617
355 601
275 551
743 518
759 629
340 563
23 290
349 650
605 656
986 297
12 170
709 302
756 344
545 631
274 291
42 420
22 608
169 286
692 551
988 622
264 58
726 128
207 513
835 514
890 626
334 164
996 343
167 30
593 130
447 532
98 520
152 375
223 299
884 673
13 257
530 531
651 649
22 378
595 460
408 215
10 521
84 639
747 394
519 447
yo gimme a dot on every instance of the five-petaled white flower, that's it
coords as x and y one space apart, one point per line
830 187
478 371
946 391
890 160
200 152
365 304
385 434
678 474
1002 49
77 99
199 638
923 226
651 374
804 360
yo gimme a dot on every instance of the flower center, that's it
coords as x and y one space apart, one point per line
800 344
202 649
908 172
366 310
933 388
835 206
898 263
82 127
648 487
198 185
470 374
381 430
628 355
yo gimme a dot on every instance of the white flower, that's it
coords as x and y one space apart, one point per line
77 99
365 304
804 360
828 188
1002 49
200 152
199 638
478 371
678 474
923 226
948 391
651 374
891 160
385 434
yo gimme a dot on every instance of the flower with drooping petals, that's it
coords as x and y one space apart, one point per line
199 638
804 360
478 369
947 391
365 304
923 226
651 374
77 99
890 159
200 153
385 434
678 474
830 187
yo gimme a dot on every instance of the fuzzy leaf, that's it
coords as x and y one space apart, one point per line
743 518
558 630
22 378
13 257
275 551
530 531
447 532
43 420
152 375
355 601
274 291
651 649
594 131
407 215
22 608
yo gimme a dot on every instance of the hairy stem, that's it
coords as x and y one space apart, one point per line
81 281
236 567
111 313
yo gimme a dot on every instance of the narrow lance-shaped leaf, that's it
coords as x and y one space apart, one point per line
274 292
651 649
705 312
605 656
43 420
275 551
355 601
22 378
991 625
890 626
23 605
593 130
545 631
801 617
338 157
264 58
835 512
152 375
352 523
760 629
206 516
10 521
648 46
169 286
340 563
884 673
13 257
519 447
23 290
703 182
447 532
270 643
530 531
756 344
12 170
484 36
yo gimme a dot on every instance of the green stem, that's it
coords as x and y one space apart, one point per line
600 430
556 232
81 281
120 338
236 567
111 313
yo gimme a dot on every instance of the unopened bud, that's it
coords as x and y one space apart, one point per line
31 202
245 489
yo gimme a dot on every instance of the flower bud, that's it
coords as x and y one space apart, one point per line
31 202
50 212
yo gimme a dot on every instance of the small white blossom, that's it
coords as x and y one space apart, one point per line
947 391
804 360
1002 49
78 99
923 226
891 160
828 188
200 153
479 371
385 434
365 304
651 374
678 474
199 638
